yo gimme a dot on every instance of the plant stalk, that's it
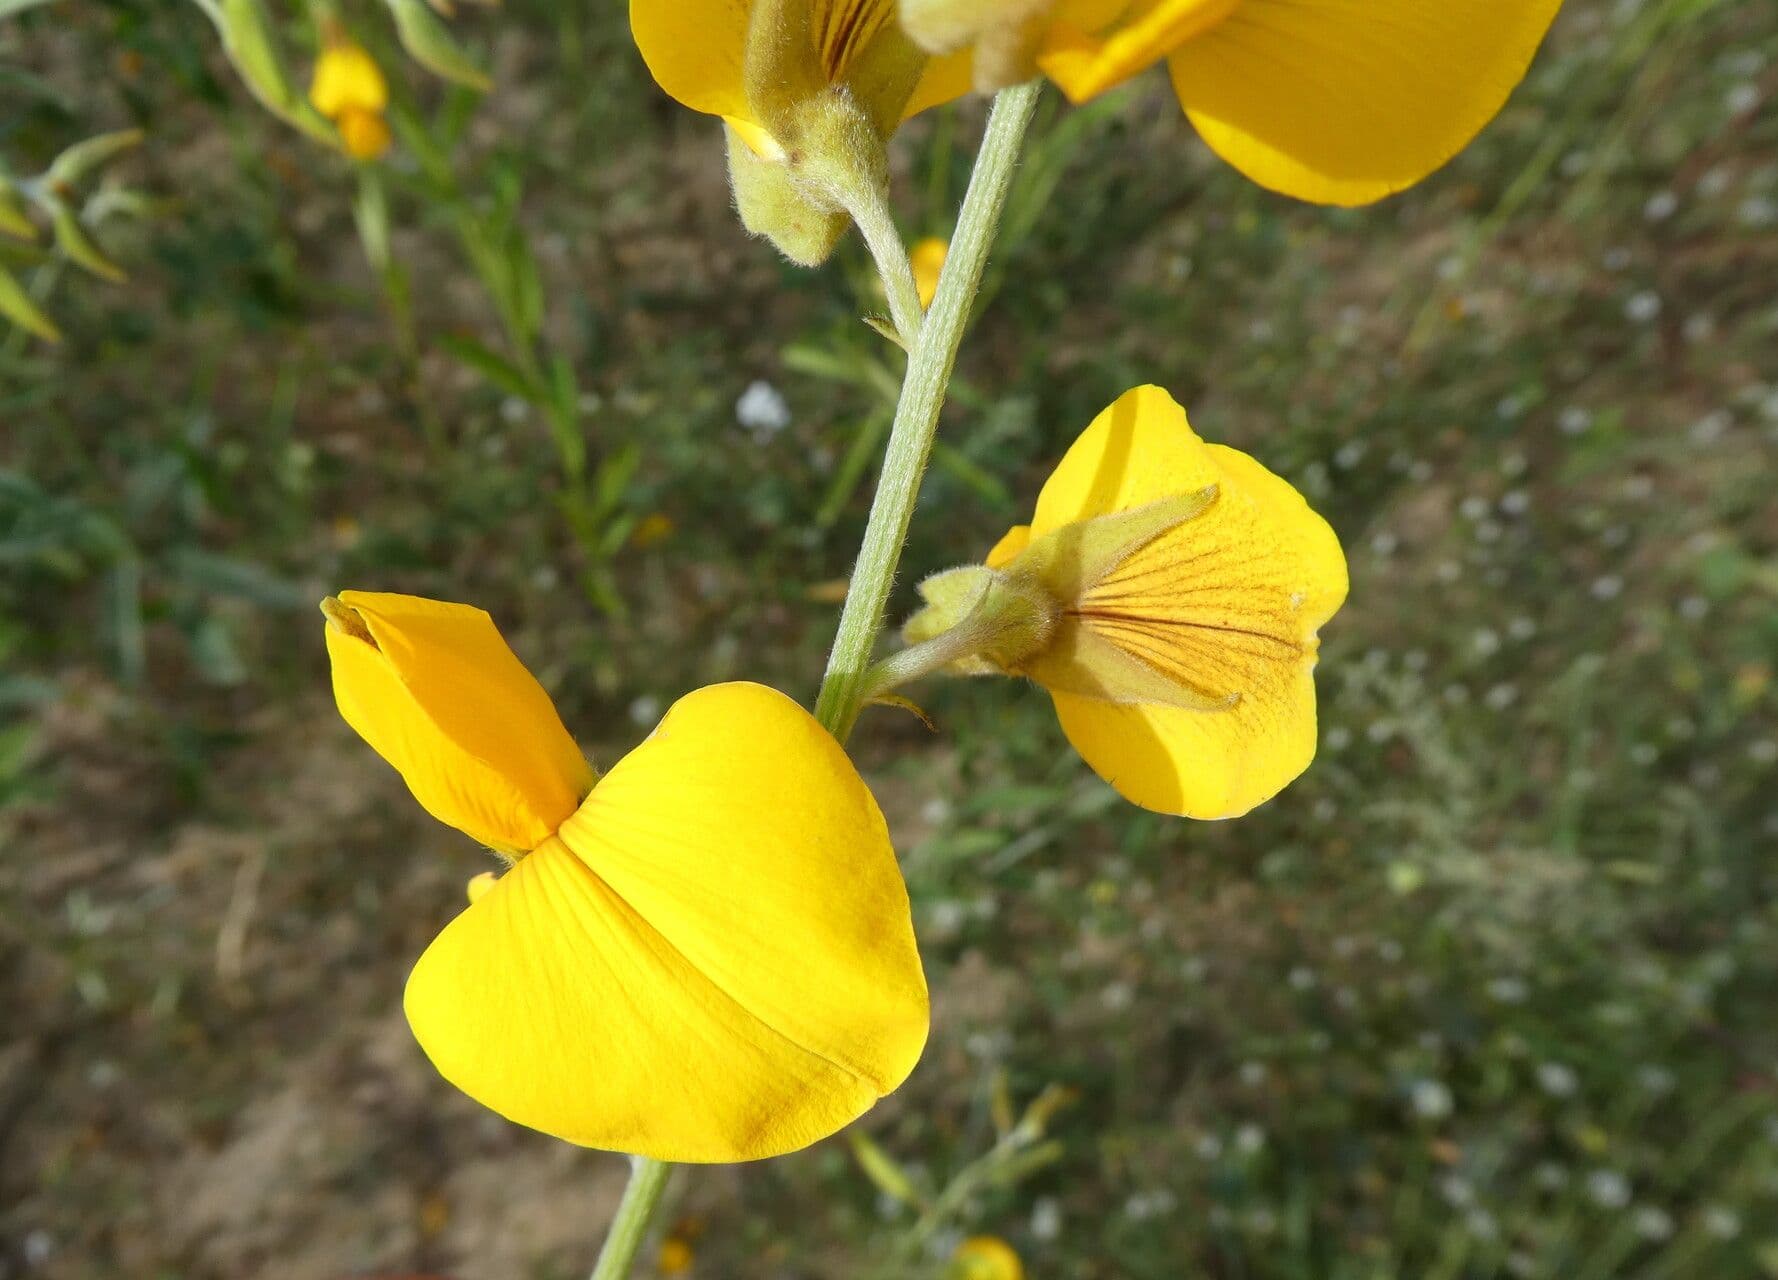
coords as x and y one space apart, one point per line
930 362
933 354
647 1180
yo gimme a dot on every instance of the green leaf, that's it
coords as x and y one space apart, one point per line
496 368
13 221
10 7
16 306
72 240
83 157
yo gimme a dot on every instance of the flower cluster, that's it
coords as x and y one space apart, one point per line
707 953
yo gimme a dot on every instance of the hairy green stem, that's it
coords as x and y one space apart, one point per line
916 414
877 225
647 1179
933 354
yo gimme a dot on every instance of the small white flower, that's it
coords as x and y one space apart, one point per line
1431 1100
1607 587
1046 1219
762 409
1643 306
1574 420
1557 1079
1608 1188
1249 1139
645 709
1660 206
1722 1222
1652 1222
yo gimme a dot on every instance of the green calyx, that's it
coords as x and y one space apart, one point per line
828 113
1021 618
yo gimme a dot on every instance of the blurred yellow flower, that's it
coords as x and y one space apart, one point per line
1336 101
706 955
653 528
1167 593
928 259
349 90
985 1258
676 1257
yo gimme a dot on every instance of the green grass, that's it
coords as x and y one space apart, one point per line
1487 993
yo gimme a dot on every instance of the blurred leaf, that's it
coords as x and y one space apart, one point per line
73 240
881 1169
225 576
429 42
83 157
16 306
13 221
492 366
10 7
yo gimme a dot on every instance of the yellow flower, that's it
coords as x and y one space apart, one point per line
655 527
985 1258
1336 101
928 259
705 955
676 1257
349 90
1167 593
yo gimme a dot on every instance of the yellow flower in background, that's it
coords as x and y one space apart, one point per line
985 1258
676 1257
706 955
927 257
350 91
1167 593
1335 101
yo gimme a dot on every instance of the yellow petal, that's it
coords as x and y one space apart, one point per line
365 134
1004 552
1346 101
1228 604
927 258
695 50
712 962
945 79
346 77
435 690
1084 63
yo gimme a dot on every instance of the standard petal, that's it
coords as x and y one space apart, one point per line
438 694
1085 62
695 50
714 961
945 79
1013 541
1139 450
1228 605
1346 101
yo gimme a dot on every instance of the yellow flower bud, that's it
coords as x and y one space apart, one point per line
349 89
985 1258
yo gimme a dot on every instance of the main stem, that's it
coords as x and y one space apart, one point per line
923 387
647 1179
933 356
